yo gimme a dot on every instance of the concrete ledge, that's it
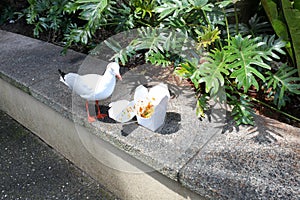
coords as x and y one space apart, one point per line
61 134
186 159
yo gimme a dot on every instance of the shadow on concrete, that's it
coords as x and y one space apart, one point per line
171 125
129 128
264 130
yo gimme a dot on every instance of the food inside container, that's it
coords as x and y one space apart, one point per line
144 109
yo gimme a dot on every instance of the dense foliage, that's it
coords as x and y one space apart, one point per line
284 16
227 54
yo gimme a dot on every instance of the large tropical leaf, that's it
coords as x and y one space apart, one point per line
272 48
213 71
244 59
292 18
143 7
187 69
122 16
208 36
255 26
159 59
175 7
276 18
284 16
91 11
282 82
242 111
150 39
121 54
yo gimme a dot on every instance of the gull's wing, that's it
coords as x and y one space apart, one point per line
91 80
78 84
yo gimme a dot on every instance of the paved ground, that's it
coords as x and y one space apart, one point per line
29 169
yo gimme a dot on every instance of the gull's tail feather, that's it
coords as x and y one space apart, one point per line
62 74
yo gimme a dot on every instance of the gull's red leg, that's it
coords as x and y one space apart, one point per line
90 118
99 115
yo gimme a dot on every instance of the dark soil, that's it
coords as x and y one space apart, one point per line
21 27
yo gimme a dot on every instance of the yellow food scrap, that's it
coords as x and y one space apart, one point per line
148 111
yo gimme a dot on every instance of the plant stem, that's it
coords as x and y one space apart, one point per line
267 105
236 20
281 112
206 18
275 109
227 26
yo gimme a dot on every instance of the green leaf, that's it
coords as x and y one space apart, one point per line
292 18
159 59
199 3
296 4
283 82
143 8
244 58
284 16
242 111
225 3
150 39
175 8
272 48
186 69
113 44
208 36
272 11
213 71
92 12
122 54
123 17
257 25
202 105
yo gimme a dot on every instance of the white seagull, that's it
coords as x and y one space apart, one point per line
93 87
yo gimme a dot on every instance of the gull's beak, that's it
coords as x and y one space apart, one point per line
119 77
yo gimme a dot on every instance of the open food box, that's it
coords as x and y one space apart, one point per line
149 107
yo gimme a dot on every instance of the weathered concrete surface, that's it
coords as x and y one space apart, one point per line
30 169
187 150
249 164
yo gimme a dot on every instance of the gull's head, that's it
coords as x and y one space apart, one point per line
114 69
